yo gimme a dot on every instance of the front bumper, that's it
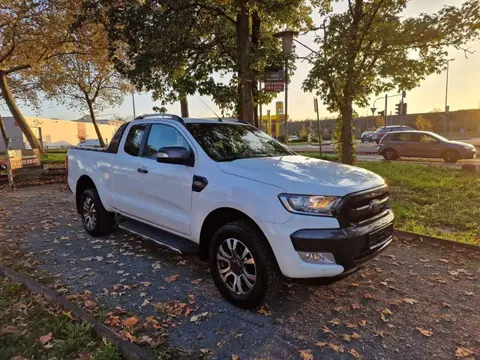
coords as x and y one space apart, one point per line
469 154
351 247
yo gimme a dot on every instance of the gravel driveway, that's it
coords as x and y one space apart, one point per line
415 301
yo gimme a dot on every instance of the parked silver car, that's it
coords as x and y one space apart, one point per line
423 144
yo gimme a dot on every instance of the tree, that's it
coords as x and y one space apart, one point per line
422 123
87 81
175 47
33 33
304 131
379 121
436 110
371 49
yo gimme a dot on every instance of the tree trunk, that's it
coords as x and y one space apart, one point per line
245 71
3 130
16 113
256 23
347 144
184 105
94 122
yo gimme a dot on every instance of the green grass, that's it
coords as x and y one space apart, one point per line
53 157
329 157
26 317
433 200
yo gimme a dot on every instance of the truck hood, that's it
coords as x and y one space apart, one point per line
303 175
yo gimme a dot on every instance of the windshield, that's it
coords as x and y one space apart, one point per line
227 142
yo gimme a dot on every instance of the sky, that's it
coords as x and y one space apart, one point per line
464 86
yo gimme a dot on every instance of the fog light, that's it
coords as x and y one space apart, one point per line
317 257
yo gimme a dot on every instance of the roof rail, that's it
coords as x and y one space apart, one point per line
160 116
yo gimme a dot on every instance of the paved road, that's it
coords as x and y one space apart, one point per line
376 313
372 148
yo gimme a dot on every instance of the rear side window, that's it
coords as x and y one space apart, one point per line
134 139
402 137
113 146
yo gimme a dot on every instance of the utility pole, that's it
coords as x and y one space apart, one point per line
133 104
260 107
447 108
319 128
286 101
401 108
386 112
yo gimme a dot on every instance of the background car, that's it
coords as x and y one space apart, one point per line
424 144
3 168
89 143
367 136
381 131
293 138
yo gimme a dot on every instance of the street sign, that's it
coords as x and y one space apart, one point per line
315 105
19 159
373 109
274 86
279 108
275 74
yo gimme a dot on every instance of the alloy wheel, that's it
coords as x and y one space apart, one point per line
236 266
89 213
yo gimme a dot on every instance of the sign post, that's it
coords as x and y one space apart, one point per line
315 107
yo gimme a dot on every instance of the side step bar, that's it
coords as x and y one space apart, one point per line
160 237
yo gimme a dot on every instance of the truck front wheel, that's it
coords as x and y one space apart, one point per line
96 220
242 265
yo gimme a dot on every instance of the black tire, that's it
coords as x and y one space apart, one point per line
451 156
389 154
103 220
268 279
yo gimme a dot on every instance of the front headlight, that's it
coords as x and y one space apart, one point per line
310 205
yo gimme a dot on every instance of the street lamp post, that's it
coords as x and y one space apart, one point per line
446 98
133 103
287 44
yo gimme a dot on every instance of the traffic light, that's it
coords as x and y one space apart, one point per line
397 108
404 109
381 113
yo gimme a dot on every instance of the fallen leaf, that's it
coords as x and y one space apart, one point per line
172 278
146 283
68 314
326 330
90 304
355 354
18 357
444 261
409 301
145 339
321 344
265 311
468 293
196 282
131 321
354 336
206 351
335 322
306 354
112 320
424 332
363 323
235 357
462 352
198 317
355 306
45 338
9 330
187 312
337 348
145 302
385 312
379 333
129 336
351 326
369 296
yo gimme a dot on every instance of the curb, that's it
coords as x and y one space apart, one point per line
127 349
405 235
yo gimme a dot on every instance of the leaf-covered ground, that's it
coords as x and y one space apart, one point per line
414 301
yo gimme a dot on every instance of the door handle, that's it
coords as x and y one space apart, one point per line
142 170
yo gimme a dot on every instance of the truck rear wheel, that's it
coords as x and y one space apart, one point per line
242 265
96 220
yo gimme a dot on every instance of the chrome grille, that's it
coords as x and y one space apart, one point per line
363 207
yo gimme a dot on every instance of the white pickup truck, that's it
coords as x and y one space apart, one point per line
244 202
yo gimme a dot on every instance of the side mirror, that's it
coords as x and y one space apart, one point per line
175 155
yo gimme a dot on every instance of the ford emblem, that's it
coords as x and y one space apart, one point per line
375 206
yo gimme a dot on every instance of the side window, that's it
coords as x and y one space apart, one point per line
427 139
134 139
402 137
163 136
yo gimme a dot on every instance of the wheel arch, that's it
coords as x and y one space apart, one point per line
219 217
83 183
392 149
